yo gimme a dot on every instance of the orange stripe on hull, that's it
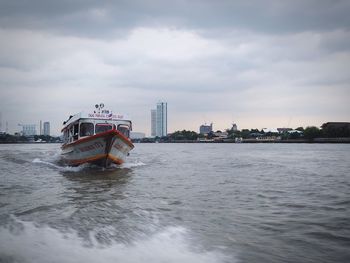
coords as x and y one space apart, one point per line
115 159
116 133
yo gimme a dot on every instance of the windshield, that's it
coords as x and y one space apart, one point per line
103 127
86 129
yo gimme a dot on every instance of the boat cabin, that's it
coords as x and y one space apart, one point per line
84 125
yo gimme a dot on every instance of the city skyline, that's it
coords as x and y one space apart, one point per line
260 64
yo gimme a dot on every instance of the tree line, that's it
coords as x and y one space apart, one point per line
309 133
8 138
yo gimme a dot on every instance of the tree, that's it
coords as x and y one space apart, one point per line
245 133
184 135
331 131
312 132
294 135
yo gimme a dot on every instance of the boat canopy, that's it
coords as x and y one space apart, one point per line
104 115
85 124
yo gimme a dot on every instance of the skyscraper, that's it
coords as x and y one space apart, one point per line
159 120
47 128
153 123
162 119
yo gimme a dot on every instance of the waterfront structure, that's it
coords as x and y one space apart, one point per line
336 129
28 129
336 125
270 130
46 128
159 120
153 123
205 129
284 130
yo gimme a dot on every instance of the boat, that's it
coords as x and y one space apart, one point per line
99 137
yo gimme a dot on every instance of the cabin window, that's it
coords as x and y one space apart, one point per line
71 134
86 129
103 127
75 131
124 129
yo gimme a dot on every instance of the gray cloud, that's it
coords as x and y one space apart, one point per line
106 18
259 63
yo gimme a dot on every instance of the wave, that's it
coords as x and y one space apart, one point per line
55 162
60 168
26 242
132 165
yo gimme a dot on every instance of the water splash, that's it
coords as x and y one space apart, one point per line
60 168
25 242
132 165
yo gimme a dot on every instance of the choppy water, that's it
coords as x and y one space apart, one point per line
178 203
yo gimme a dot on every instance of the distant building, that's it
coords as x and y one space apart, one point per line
153 123
47 128
162 119
336 129
234 127
283 130
137 135
159 120
28 129
270 130
205 129
336 125
220 135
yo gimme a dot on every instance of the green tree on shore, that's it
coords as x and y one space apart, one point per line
312 132
183 135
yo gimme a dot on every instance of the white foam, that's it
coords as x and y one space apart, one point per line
30 243
61 168
131 165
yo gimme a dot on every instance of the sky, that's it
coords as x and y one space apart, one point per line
257 63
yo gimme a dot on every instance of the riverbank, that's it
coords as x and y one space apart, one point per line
316 140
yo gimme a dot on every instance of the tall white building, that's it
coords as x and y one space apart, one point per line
153 123
159 120
47 128
162 119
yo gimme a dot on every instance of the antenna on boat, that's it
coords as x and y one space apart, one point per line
99 107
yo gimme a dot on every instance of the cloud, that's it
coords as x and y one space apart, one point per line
105 18
257 63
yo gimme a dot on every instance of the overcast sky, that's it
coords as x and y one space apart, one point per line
257 63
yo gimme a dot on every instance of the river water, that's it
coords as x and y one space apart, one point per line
178 203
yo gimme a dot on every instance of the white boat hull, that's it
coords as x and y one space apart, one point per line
102 149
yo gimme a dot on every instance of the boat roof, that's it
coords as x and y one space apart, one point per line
104 116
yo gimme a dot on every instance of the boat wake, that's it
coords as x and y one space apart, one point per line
132 164
60 166
26 242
